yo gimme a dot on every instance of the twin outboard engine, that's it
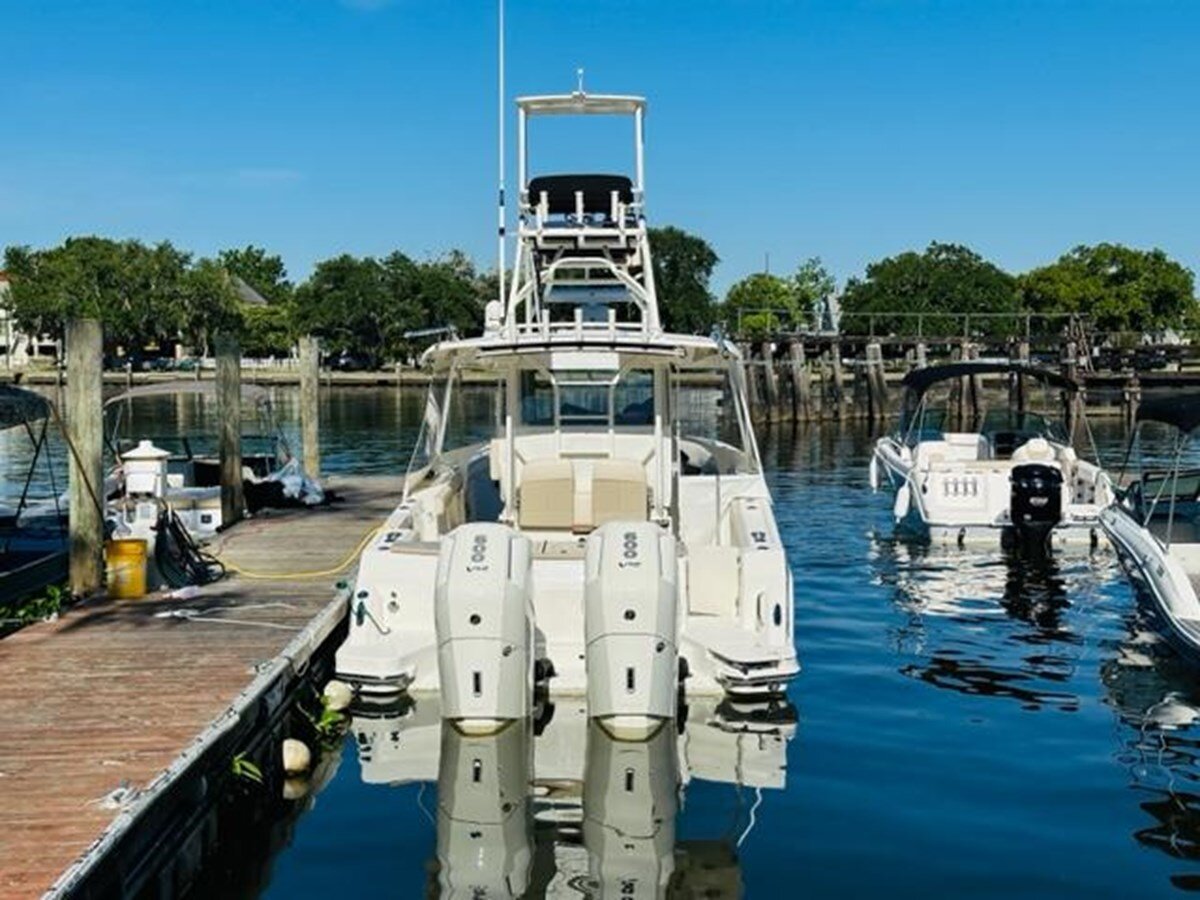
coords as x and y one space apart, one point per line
1035 505
484 620
631 627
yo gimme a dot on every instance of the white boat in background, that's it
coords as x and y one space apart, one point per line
1015 475
607 533
1155 525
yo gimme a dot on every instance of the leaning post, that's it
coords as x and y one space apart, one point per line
229 414
770 380
310 427
85 430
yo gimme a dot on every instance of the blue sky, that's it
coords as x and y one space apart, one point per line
845 130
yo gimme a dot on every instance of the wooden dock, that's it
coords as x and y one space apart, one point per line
96 707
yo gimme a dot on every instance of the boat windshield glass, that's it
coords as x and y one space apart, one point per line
713 437
583 398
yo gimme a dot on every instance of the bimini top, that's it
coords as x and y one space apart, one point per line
253 392
1181 410
19 406
920 380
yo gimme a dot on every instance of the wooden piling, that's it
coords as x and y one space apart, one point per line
229 415
770 380
922 355
801 383
310 380
753 392
877 398
837 386
85 432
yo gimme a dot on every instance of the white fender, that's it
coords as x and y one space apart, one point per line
903 501
874 472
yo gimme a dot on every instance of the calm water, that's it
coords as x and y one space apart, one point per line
966 723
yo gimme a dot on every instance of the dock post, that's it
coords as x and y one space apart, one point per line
753 392
922 355
971 351
229 414
801 383
1070 360
770 380
310 427
837 387
85 430
1133 398
876 382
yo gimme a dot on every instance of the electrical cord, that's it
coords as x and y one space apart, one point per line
289 576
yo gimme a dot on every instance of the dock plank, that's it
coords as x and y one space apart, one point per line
112 693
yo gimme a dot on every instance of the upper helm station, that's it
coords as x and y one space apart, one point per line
578 348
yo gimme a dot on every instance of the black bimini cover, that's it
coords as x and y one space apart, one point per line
920 380
1181 410
597 192
19 406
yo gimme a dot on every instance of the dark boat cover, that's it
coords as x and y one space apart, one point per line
19 406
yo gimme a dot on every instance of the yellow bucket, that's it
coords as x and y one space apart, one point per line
125 560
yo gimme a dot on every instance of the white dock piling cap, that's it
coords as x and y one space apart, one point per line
146 450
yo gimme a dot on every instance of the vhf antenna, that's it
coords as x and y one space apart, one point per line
500 233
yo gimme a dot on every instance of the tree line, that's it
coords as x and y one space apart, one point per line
157 294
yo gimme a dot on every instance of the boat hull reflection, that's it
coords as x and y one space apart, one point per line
565 809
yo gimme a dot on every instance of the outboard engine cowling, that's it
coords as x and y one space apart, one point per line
630 625
484 620
1035 505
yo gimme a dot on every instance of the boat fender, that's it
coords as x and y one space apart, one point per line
337 695
873 472
296 756
903 502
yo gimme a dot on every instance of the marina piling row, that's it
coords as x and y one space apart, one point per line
831 379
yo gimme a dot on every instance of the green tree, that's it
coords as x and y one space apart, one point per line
811 285
264 272
141 294
760 304
946 278
683 266
346 302
1121 288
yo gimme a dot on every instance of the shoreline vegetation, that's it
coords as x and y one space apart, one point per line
157 303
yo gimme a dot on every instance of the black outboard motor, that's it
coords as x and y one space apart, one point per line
1036 501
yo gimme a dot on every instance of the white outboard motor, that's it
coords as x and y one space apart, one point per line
483 824
630 799
630 623
484 620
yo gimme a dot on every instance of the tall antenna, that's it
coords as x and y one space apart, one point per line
500 234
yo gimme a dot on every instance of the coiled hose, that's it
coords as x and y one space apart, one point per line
179 558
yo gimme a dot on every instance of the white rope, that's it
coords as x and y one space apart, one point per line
203 615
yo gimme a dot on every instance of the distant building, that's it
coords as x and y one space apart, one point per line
16 347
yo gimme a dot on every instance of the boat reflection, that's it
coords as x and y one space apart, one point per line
1156 696
995 623
571 811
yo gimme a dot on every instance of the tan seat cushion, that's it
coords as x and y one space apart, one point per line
547 495
618 491
713 581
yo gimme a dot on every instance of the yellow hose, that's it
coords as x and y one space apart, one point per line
286 576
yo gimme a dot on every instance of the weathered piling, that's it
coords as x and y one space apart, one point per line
801 383
877 393
310 429
770 380
1131 397
229 413
85 433
836 387
753 391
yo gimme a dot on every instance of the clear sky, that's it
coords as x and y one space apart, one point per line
845 130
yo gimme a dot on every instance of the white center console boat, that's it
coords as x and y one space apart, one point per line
607 533
1015 475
